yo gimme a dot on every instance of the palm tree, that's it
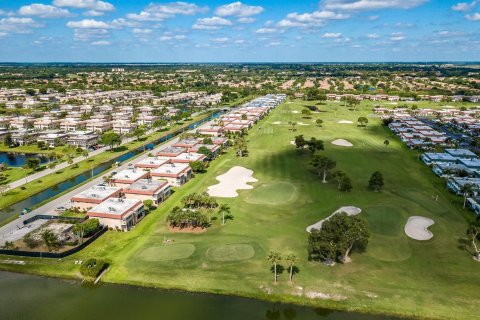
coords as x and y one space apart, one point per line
107 179
291 259
472 234
85 153
467 190
224 208
274 258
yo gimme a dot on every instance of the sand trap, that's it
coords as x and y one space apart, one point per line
237 178
293 143
295 111
342 143
417 228
276 122
345 122
302 124
351 211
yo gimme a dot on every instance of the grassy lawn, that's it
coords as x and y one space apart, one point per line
33 187
13 174
23 149
396 274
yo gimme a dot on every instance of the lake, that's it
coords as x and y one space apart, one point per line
14 159
31 297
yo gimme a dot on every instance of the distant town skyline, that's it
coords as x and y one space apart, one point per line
251 31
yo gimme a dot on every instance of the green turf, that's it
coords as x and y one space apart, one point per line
167 252
396 274
230 252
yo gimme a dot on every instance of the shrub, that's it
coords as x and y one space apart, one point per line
91 225
30 241
92 268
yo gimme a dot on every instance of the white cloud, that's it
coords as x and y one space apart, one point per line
18 25
141 31
473 17
266 30
85 4
221 40
397 36
93 13
89 34
358 5
464 6
239 41
160 12
373 36
101 43
238 9
213 23
331 35
373 18
307 20
121 23
246 20
88 24
43 11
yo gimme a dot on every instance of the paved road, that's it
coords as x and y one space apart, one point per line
15 229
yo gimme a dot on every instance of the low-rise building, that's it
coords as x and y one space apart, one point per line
127 177
176 174
93 196
152 162
117 213
188 157
171 152
148 189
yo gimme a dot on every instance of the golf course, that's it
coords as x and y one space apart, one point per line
436 278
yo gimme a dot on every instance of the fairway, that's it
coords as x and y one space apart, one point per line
230 252
272 193
434 278
167 252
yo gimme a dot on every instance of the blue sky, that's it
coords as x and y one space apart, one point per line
251 31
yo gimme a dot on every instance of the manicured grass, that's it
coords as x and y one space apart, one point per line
435 278
24 149
13 174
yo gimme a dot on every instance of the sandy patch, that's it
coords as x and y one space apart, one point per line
293 143
350 210
277 122
295 111
237 178
392 103
417 228
342 143
302 124
345 122
324 296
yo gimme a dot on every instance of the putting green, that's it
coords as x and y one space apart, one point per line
390 249
167 252
230 252
384 220
272 193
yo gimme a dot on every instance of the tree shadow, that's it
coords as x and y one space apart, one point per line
273 313
229 217
280 269
289 313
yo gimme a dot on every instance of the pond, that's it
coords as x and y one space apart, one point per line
15 159
31 297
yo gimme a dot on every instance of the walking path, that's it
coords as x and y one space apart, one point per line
13 230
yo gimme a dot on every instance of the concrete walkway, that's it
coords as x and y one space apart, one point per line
16 229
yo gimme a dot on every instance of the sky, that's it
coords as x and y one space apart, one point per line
251 31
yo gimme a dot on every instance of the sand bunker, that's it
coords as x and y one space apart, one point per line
293 143
351 211
342 143
295 111
237 178
276 122
345 122
417 228
302 124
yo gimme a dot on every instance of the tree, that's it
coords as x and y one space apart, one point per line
274 258
240 146
79 230
159 123
32 163
110 138
8 140
337 237
376 181
139 131
362 121
8 245
472 234
319 122
344 182
51 165
107 179
293 125
306 113
323 165
386 143
50 239
224 209
197 166
300 142
291 259
315 145
467 190
85 153
207 152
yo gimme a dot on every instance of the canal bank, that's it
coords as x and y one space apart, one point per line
31 297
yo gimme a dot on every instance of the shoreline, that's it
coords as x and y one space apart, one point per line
308 303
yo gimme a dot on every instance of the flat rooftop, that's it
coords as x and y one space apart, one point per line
172 150
190 156
152 161
440 156
115 206
461 153
96 193
171 169
130 174
146 185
